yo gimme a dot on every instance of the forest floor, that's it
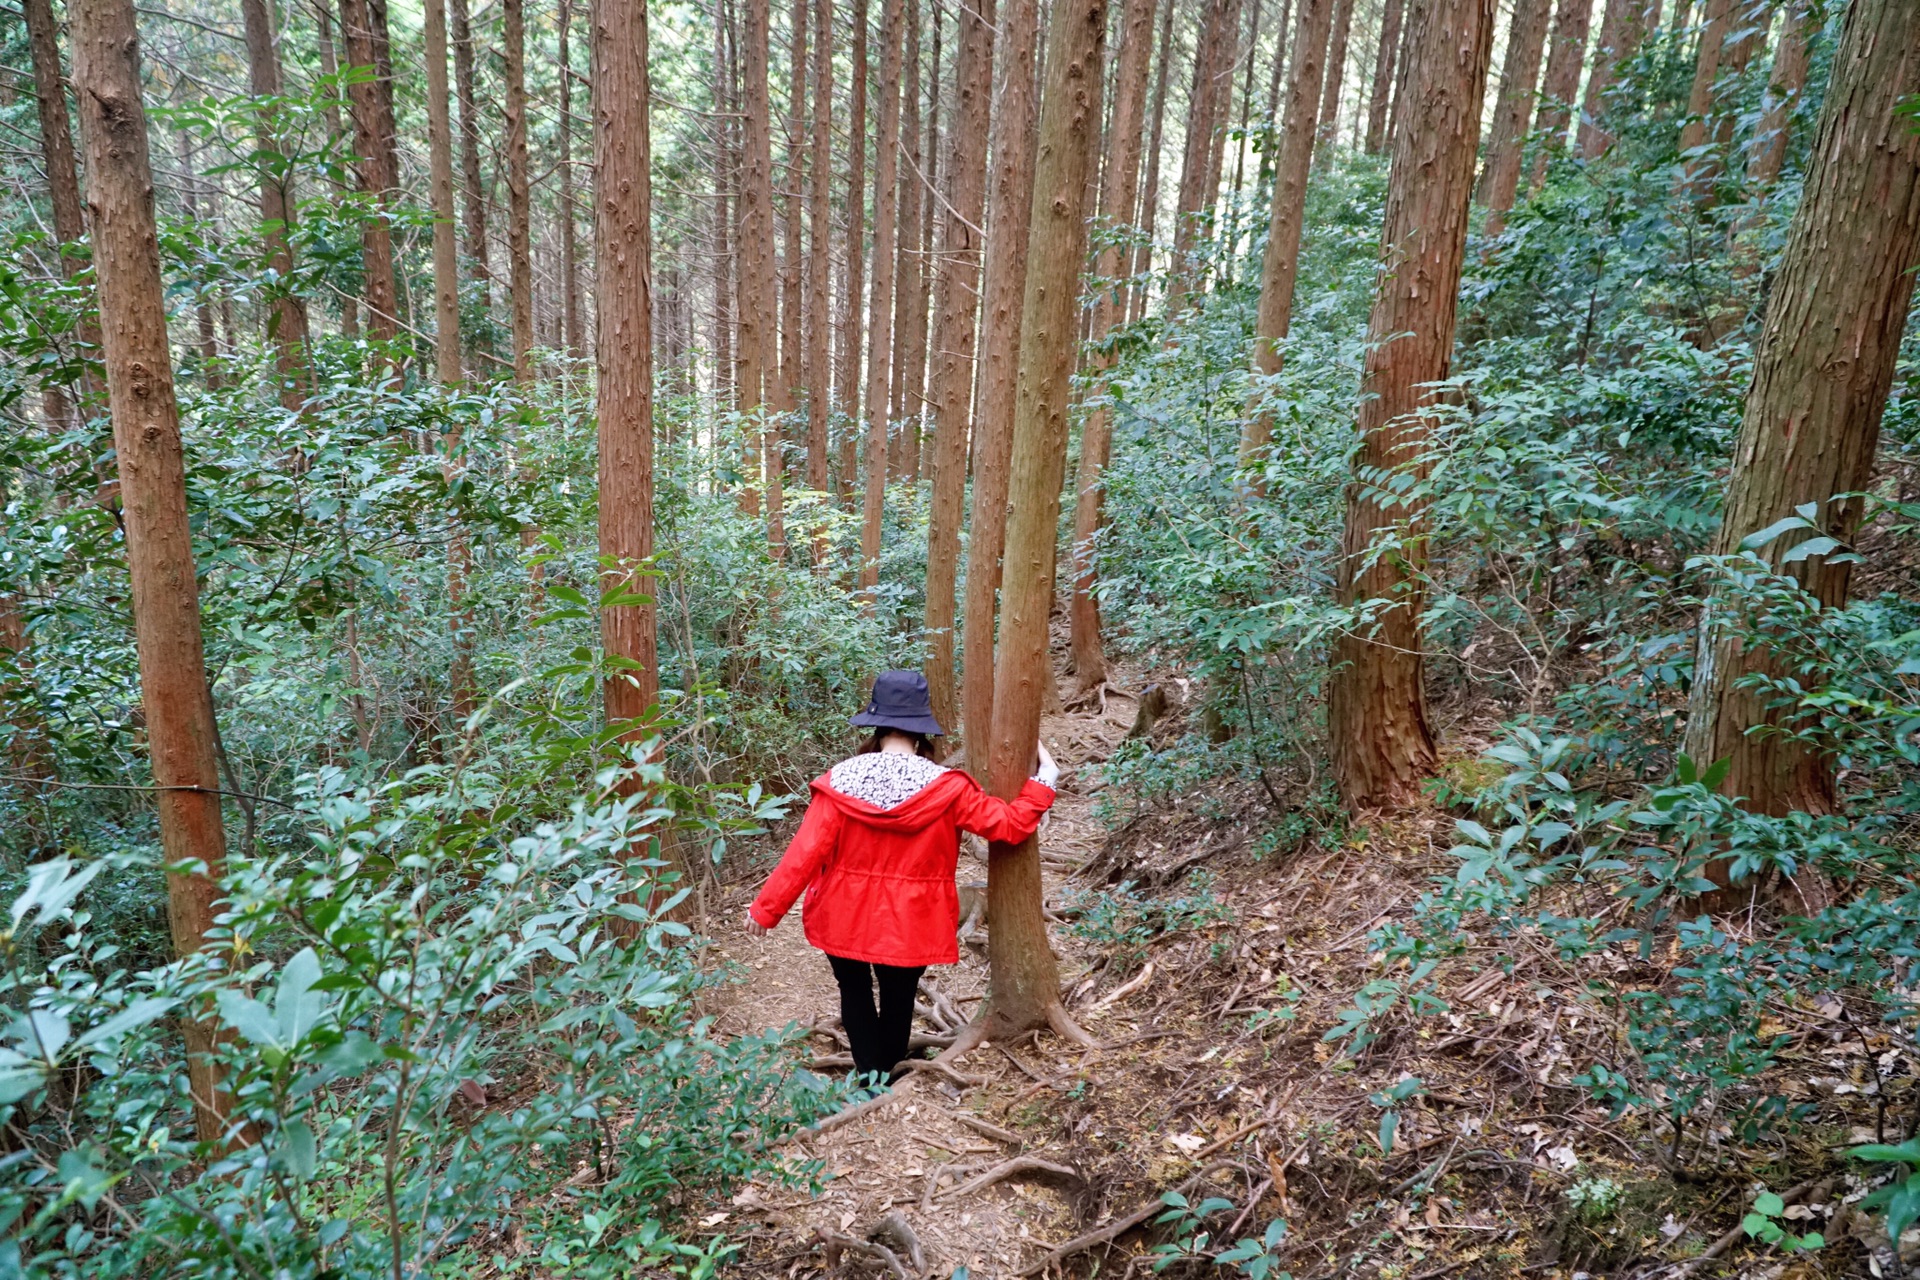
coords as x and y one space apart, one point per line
1214 1078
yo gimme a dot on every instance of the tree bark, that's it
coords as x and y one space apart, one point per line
1566 55
793 361
753 332
473 193
1822 369
1377 723
1384 66
1023 989
1213 45
287 321
1334 76
1519 74
852 324
957 312
377 178
1786 81
920 455
1698 170
1150 189
1008 219
181 734
886 173
573 322
1622 27
1085 649
908 389
513 38
820 263
726 373
1281 265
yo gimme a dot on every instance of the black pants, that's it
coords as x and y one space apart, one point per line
879 1036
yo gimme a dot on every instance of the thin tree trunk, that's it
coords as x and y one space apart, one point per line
513 37
329 67
906 389
753 329
852 326
726 371
209 352
1519 74
1281 266
820 263
574 322
1622 27
1786 81
178 705
1270 115
473 194
886 173
1085 650
1213 45
1336 68
1010 192
1377 722
1822 370
1023 989
1566 55
919 454
377 179
793 363
1384 66
1150 189
957 312
1698 170
287 320
1243 131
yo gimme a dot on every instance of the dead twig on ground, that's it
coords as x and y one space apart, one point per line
993 1131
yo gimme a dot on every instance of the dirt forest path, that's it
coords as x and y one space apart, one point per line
920 1156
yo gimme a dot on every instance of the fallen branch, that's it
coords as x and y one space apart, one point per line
993 1131
935 1065
1014 1167
1125 989
893 1228
835 1243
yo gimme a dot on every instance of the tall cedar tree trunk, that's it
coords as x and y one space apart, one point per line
446 346
1150 188
377 177
1241 131
330 67
1213 45
513 38
287 320
776 396
793 361
1622 27
1698 170
1825 361
956 307
726 373
209 364
1008 219
886 175
903 395
1566 54
174 696
63 183
1270 113
1334 76
753 326
1786 81
1223 72
1086 651
1023 989
1384 61
820 263
574 323
1377 703
852 318
1519 74
921 453
473 225
1281 266
1747 37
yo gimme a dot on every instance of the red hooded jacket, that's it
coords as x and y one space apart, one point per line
877 860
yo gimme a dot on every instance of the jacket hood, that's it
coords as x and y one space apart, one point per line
890 791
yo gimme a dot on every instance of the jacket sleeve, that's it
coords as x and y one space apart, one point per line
1005 821
812 844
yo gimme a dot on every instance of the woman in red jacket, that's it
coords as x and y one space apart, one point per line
875 856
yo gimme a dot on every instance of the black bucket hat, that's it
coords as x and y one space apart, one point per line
901 701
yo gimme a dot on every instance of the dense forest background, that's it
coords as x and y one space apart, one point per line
1443 473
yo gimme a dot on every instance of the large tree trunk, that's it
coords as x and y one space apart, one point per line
852 325
473 194
1334 76
1385 64
1085 649
287 322
1281 266
1786 81
1566 55
1023 989
513 37
377 177
886 174
1150 188
754 325
1622 27
1377 706
820 262
174 696
1825 361
957 311
1519 74
1008 219
793 362
573 322
906 390
726 374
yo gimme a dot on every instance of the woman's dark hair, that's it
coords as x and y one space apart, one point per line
922 744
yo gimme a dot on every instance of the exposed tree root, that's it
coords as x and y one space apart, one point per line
836 1243
855 1112
993 1131
941 1068
1120 1226
1014 1167
894 1230
1065 1027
